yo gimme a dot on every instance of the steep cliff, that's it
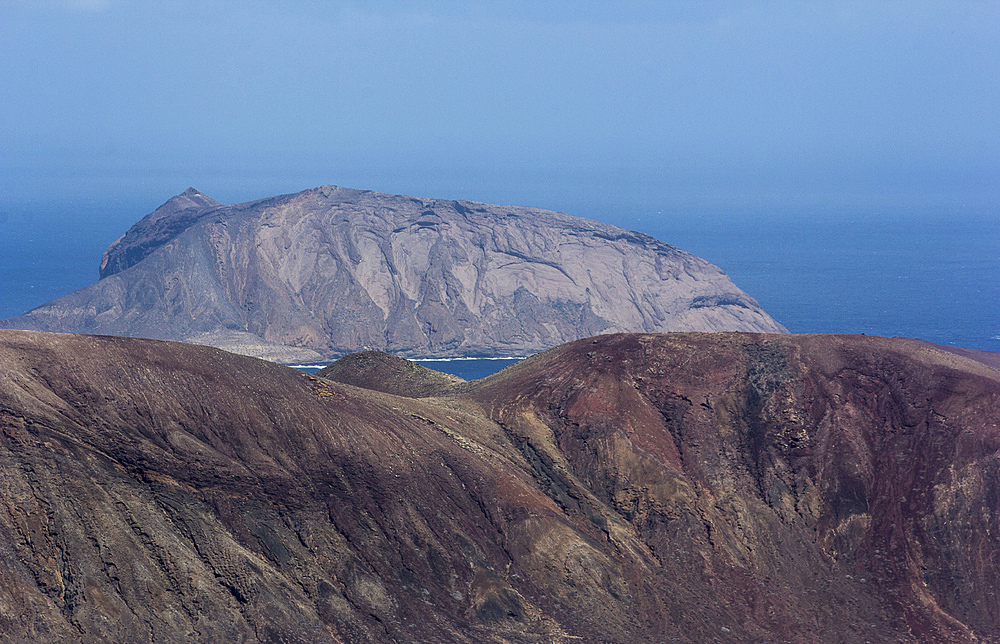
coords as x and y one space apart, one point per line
626 488
328 271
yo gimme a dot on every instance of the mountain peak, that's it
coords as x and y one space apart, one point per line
188 198
155 229
336 270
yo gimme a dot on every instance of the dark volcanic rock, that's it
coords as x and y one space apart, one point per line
389 374
627 488
815 488
329 271
155 491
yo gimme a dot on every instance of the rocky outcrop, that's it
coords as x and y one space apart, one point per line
626 488
329 271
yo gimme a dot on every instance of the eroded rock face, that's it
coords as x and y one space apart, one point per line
679 487
329 271
819 488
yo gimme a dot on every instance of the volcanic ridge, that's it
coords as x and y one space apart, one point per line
624 488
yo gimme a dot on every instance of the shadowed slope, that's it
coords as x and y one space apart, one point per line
156 229
681 487
153 490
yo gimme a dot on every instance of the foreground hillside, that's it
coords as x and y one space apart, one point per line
678 487
328 271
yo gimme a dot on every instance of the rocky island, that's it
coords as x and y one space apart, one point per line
315 275
625 488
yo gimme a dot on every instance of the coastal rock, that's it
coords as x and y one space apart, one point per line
625 488
315 275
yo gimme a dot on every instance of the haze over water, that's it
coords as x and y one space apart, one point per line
838 160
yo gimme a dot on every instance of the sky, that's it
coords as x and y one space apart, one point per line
585 107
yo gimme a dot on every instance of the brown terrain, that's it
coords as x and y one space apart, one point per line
626 488
312 276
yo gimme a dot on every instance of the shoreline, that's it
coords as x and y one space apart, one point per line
418 360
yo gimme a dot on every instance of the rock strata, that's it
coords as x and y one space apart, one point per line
329 271
625 488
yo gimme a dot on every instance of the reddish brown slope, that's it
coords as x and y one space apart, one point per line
988 358
154 491
807 488
626 488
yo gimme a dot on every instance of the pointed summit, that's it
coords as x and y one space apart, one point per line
156 229
192 197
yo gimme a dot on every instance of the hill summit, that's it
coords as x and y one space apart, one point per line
328 271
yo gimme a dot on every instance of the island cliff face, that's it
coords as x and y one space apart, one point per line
626 488
328 271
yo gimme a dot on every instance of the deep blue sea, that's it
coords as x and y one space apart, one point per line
464 368
928 275
933 276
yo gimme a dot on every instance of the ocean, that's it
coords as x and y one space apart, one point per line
928 275
933 276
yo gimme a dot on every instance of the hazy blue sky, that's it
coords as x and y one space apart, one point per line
571 105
